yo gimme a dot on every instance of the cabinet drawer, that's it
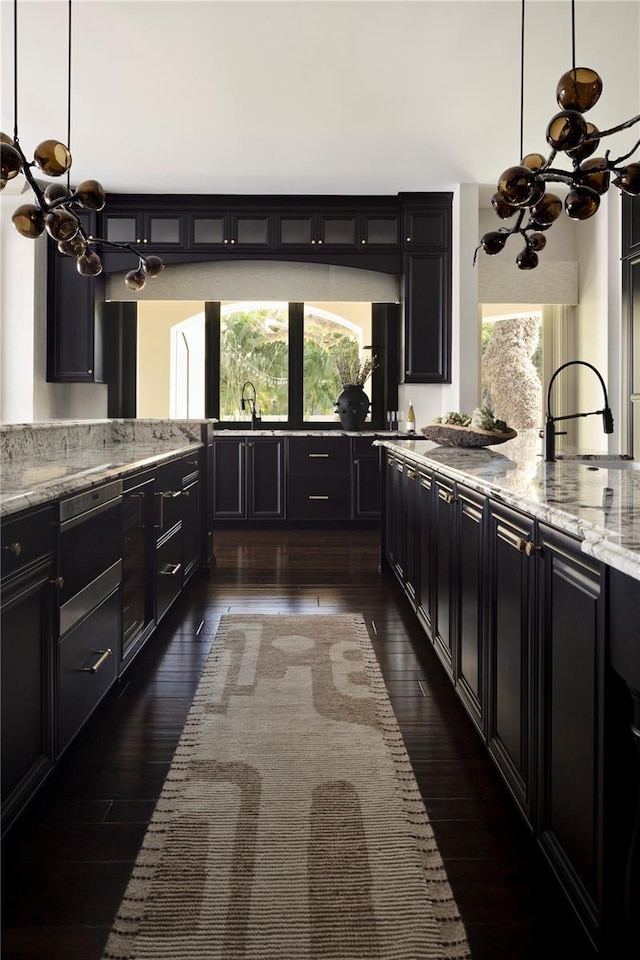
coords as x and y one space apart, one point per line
319 455
169 571
26 538
319 498
86 670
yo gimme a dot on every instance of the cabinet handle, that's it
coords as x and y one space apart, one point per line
317 455
448 497
170 569
530 548
363 241
225 241
104 655
14 548
90 371
57 582
319 241
408 239
390 461
233 241
170 494
318 498
411 474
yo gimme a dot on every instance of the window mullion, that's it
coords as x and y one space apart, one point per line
296 364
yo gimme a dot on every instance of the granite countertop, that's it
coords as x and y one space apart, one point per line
33 480
246 431
600 506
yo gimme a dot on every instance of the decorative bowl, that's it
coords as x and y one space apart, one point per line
450 435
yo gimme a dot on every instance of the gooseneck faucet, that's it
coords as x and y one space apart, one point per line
249 401
550 421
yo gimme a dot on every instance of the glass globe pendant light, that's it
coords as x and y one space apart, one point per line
521 188
57 207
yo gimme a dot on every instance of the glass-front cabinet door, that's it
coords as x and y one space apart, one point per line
155 229
229 230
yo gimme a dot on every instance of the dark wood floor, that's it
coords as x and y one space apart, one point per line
66 864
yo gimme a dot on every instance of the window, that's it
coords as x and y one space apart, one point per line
512 367
288 351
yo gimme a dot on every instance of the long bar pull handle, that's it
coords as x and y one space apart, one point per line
318 498
14 548
104 655
318 455
170 569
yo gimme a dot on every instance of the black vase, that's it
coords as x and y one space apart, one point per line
352 406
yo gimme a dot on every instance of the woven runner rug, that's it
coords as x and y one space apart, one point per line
290 825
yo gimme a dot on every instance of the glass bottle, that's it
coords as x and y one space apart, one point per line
411 419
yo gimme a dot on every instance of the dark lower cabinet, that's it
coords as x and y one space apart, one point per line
365 494
138 544
540 641
443 557
571 719
248 478
26 687
169 569
87 666
469 649
511 661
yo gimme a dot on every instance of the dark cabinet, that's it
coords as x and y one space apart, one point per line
191 520
443 557
229 230
87 666
74 323
158 229
510 734
26 663
365 492
426 566
470 659
427 287
319 478
571 718
248 478
138 545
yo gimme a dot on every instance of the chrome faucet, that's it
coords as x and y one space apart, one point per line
550 421
250 402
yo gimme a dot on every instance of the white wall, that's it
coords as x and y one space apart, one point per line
17 268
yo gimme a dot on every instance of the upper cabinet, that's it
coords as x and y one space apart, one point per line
408 235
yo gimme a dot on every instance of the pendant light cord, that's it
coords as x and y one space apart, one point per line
522 85
15 70
573 34
69 97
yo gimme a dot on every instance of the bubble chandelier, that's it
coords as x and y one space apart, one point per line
56 205
522 189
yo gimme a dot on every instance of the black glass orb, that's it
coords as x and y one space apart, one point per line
493 242
534 161
5 138
10 161
61 225
594 174
628 180
28 219
90 195
152 266
89 264
72 248
501 207
547 211
566 130
135 279
581 203
516 185
527 259
56 192
578 89
537 241
52 157
587 147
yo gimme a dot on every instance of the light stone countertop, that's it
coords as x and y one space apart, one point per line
599 506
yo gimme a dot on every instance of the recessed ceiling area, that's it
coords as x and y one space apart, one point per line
307 97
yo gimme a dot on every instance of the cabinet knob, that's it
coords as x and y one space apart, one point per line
138 240
408 239
233 241
319 241
313 241
57 582
530 548
14 548
363 241
225 241
90 371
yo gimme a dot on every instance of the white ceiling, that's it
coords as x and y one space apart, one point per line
337 97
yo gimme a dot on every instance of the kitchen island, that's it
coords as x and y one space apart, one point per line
525 577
